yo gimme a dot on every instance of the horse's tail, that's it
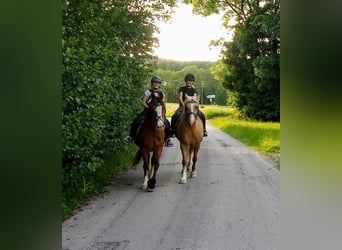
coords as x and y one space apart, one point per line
136 159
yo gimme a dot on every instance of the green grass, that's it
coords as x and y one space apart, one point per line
171 108
214 111
263 137
209 110
114 164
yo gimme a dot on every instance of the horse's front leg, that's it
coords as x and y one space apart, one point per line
189 162
151 184
185 157
147 167
194 160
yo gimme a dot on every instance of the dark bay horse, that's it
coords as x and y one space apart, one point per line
189 132
151 138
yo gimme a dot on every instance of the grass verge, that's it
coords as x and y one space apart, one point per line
263 137
113 165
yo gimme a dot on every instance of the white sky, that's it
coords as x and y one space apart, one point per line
186 37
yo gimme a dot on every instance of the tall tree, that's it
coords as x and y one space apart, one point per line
250 65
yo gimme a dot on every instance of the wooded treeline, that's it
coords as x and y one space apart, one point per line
173 65
173 73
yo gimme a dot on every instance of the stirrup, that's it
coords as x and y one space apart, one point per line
168 143
127 140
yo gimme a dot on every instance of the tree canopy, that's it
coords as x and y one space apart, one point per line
250 67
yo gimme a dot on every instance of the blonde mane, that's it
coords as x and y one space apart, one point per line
191 99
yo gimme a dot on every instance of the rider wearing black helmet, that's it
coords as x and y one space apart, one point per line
190 91
155 90
189 77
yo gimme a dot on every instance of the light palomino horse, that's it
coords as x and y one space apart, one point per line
151 138
189 132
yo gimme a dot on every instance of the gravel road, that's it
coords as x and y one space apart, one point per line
232 204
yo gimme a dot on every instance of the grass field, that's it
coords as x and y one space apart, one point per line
263 137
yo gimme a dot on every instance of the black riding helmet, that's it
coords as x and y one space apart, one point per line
189 77
156 79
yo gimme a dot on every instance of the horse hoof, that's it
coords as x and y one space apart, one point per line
193 174
143 186
151 184
182 181
149 189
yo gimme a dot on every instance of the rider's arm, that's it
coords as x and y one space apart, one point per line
143 101
181 103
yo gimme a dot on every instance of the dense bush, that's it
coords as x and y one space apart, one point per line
107 47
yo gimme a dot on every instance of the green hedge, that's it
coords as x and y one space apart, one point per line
107 49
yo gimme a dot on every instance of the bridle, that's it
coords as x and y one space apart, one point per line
157 109
191 113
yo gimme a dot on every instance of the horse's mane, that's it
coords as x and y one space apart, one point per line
190 99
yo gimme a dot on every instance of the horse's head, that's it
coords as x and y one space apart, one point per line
156 110
191 109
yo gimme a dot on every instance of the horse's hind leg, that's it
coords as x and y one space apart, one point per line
194 160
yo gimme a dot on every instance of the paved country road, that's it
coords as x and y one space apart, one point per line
232 204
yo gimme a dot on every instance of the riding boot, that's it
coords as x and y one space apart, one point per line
174 120
201 115
172 133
